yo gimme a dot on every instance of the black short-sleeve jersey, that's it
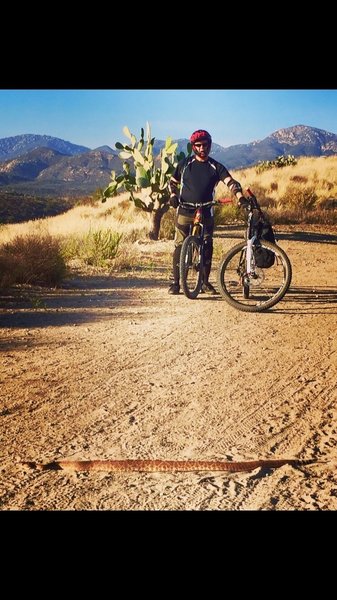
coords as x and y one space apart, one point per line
198 179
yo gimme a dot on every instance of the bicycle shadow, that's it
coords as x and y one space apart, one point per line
230 231
214 298
237 232
315 300
307 236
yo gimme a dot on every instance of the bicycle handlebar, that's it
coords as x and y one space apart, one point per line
253 203
225 200
200 204
251 198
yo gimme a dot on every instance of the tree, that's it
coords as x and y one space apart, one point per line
147 178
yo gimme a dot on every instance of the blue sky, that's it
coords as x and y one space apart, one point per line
96 117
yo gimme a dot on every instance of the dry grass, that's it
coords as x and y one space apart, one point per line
312 183
304 192
105 236
117 214
114 235
33 260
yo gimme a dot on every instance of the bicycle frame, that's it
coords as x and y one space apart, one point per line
197 227
192 252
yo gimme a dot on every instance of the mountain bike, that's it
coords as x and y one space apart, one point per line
191 263
255 274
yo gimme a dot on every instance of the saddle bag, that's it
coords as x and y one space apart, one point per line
264 258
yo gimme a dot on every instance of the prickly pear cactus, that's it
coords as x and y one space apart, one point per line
145 178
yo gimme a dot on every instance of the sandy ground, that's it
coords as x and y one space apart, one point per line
113 367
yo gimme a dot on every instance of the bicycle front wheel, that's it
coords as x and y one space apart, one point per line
256 291
191 266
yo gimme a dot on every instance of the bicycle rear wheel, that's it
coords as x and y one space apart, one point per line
256 291
191 266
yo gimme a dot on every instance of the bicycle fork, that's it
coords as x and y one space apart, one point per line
249 256
250 273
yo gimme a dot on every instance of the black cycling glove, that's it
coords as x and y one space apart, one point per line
243 202
174 201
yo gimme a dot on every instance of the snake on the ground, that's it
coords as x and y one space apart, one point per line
154 465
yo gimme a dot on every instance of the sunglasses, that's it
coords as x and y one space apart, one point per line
202 145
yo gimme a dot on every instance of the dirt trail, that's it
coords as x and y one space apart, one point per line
114 367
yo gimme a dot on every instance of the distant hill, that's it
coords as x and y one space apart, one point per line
43 166
11 147
86 171
29 166
300 140
48 172
107 149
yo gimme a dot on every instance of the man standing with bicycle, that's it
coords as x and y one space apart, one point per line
194 181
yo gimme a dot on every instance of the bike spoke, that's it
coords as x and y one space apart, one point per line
258 290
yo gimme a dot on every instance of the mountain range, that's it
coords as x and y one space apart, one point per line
51 167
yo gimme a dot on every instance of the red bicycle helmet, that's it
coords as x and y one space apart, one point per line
200 135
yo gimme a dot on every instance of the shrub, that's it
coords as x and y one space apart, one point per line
227 213
94 248
103 245
280 161
33 259
299 198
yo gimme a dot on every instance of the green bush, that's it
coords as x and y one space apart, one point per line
227 213
94 248
280 161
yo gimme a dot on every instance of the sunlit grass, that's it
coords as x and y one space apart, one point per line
114 235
